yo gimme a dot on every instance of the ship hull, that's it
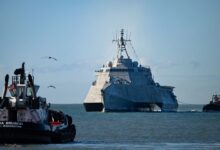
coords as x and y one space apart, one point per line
21 132
118 98
93 106
117 104
131 98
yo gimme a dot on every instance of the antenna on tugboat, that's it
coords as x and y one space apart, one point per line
32 86
6 86
4 91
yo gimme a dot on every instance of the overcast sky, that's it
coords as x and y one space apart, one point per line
178 39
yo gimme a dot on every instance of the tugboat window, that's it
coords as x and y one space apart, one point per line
12 92
29 91
20 91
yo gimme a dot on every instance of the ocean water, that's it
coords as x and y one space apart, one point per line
187 129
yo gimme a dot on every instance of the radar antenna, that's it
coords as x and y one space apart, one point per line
121 43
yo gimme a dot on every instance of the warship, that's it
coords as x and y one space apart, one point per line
27 118
214 104
125 85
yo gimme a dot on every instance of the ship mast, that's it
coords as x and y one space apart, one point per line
121 43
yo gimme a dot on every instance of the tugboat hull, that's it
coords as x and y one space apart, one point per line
64 135
211 108
19 132
214 104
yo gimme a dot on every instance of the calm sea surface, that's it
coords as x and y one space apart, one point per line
187 129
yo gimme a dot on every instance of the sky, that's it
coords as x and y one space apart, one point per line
178 39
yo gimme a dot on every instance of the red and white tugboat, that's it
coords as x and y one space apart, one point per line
26 117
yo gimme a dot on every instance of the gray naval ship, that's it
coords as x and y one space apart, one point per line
124 85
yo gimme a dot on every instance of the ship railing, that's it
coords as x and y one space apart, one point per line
18 80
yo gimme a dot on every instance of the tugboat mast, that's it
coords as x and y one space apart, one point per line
121 43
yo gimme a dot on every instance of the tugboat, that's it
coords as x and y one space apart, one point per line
214 104
125 85
27 118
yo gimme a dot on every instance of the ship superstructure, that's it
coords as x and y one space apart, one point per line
124 85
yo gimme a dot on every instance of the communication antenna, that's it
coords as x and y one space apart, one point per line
121 43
